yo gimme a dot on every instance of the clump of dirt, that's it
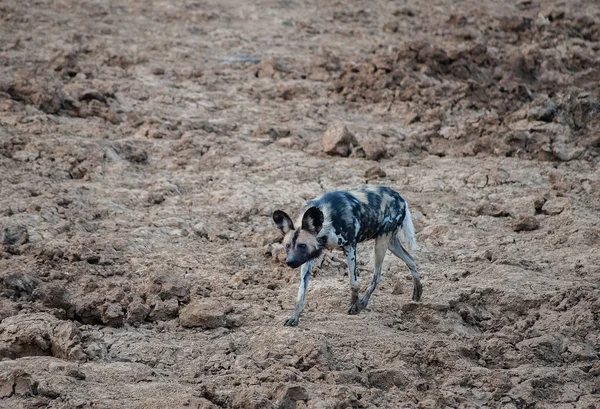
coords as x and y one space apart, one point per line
43 89
510 106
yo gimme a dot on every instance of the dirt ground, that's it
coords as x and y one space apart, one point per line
145 144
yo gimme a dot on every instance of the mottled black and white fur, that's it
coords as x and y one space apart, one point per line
342 219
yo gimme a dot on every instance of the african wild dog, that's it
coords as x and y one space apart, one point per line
341 219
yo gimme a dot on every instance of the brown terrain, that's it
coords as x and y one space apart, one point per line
145 144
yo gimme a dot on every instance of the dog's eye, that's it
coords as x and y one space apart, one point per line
302 246
287 246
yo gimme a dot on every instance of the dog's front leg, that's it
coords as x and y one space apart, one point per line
304 279
351 257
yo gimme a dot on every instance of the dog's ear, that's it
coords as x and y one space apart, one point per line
283 221
312 221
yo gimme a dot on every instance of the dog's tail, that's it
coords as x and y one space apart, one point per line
407 231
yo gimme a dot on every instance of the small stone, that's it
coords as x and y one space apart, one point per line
337 140
374 149
165 310
15 236
176 288
291 142
53 295
492 209
287 396
386 378
566 153
412 117
137 312
528 223
138 156
158 71
404 162
19 284
156 198
545 112
92 95
538 204
156 134
78 172
374 172
555 206
272 133
391 27
203 313
112 315
269 68
199 230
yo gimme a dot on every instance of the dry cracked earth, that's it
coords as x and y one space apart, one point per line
145 144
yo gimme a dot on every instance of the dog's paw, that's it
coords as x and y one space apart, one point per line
291 322
354 309
362 303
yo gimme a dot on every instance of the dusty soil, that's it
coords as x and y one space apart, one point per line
145 144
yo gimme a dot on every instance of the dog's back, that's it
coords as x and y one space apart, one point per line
356 215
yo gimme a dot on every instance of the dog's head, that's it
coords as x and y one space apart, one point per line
301 244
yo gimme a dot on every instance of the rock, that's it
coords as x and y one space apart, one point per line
19 284
412 117
527 223
386 378
155 133
556 206
538 204
545 112
7 309
272 134
199 230
291 142
287 396
398 289
391 27
492 209
53 295
15 236
271 67
374 172
67 369
566 153
156 198
358 152
404 162
137 312
158 71
112 314
176 288
16 382
546 347
66 342
39 334
138 156
250 399
374 148
337 140
165 310
203 313
78 172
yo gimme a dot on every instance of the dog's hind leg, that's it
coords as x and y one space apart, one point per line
399 251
